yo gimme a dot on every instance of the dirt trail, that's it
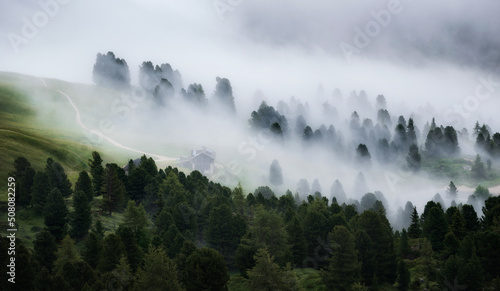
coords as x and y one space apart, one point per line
158 158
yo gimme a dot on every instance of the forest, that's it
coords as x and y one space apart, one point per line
201 235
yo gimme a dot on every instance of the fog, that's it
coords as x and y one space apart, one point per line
428 59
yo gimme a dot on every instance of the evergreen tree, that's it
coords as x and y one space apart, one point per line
45 248
224 94
400 138
404 246
224 231
55 214
363 156
267 275
205 270
58 177
343 268
435 227
366 255
470 217
97 172
410 133
132 250
113 190
414 159
135 217
92 249
40 190
275 174
297 240
477 170
403 276
24 178
112 250
110 71
84 183
81 217
67 253
157 262
452 190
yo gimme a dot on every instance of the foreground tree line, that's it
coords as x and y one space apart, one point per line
184 232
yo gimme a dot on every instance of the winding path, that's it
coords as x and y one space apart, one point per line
159 158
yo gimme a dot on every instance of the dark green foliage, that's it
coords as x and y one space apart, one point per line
110 71
275 174
403 276
377 228
477 170
343 269
267 275
112 250
45 249
414 159
84 183
135 217
92 249
155 263
133 252
77 273
97 172
404 246
266 116
24 178
435 227
457 225
491 212
40 190
58 177
113 190
296 240
205 270
224 231
55 214
80 219
366 255
470 216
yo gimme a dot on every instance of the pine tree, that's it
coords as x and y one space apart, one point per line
55 214
435 227
275 174
205 270
410 133
133 252
23 175
157 262
403 276
81 218
111 252
452 190
40 190
363 155
343 268
414 159
67 253
113 190
45 249
366 255
97 172
470 217
297 240
224 94
84 183
267 275
477 170
404 246
58 177
414 231
135 217
92 249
